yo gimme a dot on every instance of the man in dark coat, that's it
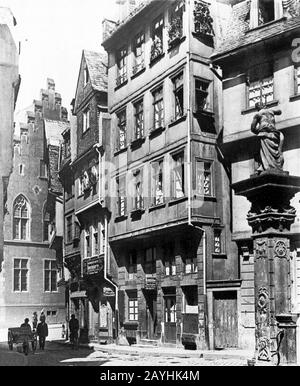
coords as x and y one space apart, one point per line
42 332
74 328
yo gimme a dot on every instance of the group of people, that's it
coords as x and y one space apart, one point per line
41 328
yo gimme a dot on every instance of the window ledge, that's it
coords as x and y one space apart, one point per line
159 206
175 43
253 109
175 201
266 24
121 85
136 212
205 198
139 72
294 97
121 218
204 113
137 142
156 131
119 151
177 120
219 255
156 59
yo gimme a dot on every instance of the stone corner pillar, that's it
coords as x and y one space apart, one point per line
270 218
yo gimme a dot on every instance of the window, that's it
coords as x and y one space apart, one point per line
157 38
43 169
266 11
158 108
178 95
139 48
138 198
121 130
190 300
86 76
24 132
170 309
132 308
21 219
121 186
297 80
132 266
121 66
80 186
261 91
69 230
169 258
87 243
150 261
178 175
46 223
201 95
217 241
21 169
175 30
20 275
102 239
191 265
190 256
50 276
157 172
139 119
95 237
203 178
86 120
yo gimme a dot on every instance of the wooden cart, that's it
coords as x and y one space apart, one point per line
24 336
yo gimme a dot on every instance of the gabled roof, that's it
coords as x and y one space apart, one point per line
240 35
97 66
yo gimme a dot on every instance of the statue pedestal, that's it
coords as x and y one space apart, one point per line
270 218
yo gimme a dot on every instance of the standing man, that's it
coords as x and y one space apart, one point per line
42 332
74 328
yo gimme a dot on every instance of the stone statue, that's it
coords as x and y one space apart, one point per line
271 139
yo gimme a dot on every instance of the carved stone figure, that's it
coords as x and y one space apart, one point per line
271 139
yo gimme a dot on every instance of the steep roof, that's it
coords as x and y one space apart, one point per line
97 66
54 130
240 35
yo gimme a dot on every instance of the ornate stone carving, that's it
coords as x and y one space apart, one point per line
261 250
291 8
202 19
263 301
264 349
280 249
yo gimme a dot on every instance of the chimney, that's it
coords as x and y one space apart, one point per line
124 8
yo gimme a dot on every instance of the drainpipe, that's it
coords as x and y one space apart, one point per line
106 254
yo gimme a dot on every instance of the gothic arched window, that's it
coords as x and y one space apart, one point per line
21 218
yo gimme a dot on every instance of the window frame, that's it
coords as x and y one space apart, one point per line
178 88
206 94
139 129
158 99
21 220
50 269
297 79
133 305
69 229
139 60
122 129
132 266
138 191
86 120
157 30
121 61
27 269
211 174
175 156
155 181
121 196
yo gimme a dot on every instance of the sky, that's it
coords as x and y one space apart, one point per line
53 34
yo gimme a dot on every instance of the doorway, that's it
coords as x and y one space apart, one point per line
170 317
151 313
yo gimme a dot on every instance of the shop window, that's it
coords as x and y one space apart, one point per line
178 95
178 175
21 275
121 66
157 180
139 53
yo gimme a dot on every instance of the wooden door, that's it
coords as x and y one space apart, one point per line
151 315
170 318
225 320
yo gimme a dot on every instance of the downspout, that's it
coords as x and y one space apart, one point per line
189 151
106 252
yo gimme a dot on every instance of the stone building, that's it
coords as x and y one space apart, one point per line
9 86
171 253
29 272
259 62
85 153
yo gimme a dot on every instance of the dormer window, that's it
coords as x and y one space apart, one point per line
86 76
266 11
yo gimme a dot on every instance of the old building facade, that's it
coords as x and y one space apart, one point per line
86 151
29 275
170 239
259 62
